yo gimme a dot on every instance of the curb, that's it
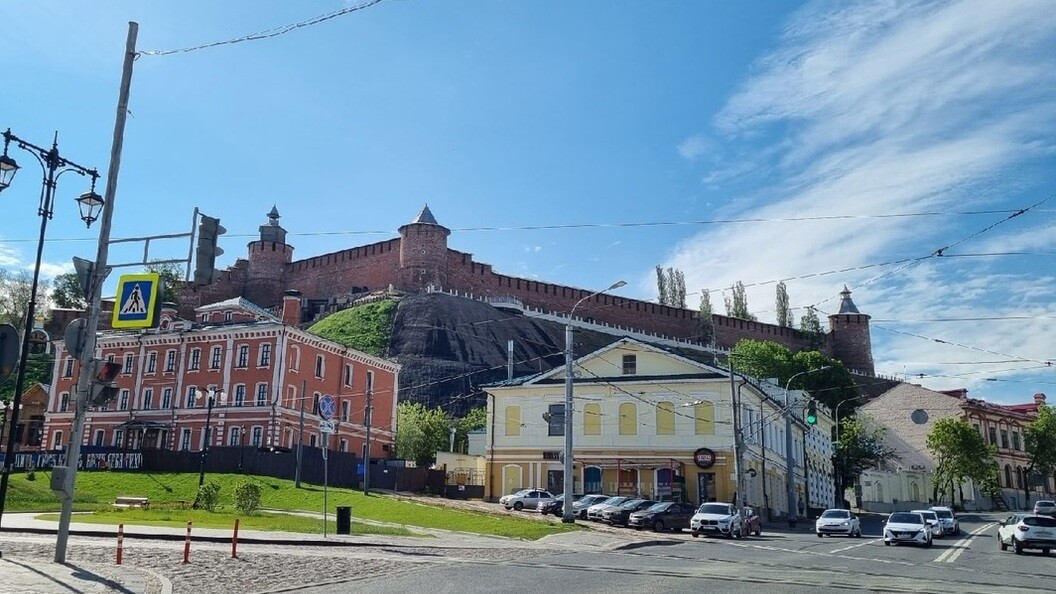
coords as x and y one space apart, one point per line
211 539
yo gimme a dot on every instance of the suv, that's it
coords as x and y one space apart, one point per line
1027 531
717 518
950 524
526 498
1045 508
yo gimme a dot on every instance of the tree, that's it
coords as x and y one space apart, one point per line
737 305
671 287
706 312
475 419
15 289
961 454
1040 440
67 293
810 325
421 432
171 279
661 286
769 360
784 311
38 371
859 446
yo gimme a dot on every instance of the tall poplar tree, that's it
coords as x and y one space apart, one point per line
784 311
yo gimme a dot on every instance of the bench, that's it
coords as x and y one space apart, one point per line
126 501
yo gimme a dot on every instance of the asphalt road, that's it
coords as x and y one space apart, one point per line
779 562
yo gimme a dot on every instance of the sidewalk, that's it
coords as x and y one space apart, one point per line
28 575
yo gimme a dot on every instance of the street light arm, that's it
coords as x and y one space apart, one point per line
615 285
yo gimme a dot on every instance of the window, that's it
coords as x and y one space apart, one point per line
630 364
628 418
555 417
665 418
228 316
1015 440
513 421
312 440
344 410
185 440
993 436
123 402
205 318
64 402
370 382
592 419
99 436
348 374
119 438
170 361
148 399
295 359
152 362
127 369
217 354
704 418
240 395
258 436
1004 439
196 360
978 429
315 403
262 394
166 398
343 447
243 356
56 441
265 355
320 367
67 368
235 436
192 395
1019 477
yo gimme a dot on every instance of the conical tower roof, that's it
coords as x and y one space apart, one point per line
425 217
846 304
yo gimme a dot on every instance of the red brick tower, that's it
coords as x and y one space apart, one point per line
849 336
268 259
423 253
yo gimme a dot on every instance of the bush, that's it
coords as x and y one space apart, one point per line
208 497
247 497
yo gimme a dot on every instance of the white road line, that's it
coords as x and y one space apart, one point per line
855 546
951 554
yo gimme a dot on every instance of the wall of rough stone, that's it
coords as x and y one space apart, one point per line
370 267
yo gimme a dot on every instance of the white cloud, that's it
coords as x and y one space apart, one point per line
693 147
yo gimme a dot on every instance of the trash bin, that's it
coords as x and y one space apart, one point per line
344 519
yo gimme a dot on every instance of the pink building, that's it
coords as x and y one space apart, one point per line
259 370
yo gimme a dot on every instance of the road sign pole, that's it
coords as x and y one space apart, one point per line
326 478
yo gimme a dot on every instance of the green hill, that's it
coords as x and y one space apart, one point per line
366 327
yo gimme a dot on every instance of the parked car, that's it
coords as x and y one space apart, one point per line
579 508
1027 531
594 512
716 518
838 521
751 522
669 515
948 519
907 527
557 505
618 515
931 518
1045 508
526 499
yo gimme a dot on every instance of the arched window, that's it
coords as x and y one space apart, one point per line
628 419
1019 477
704 414
592 419
513 421
665 418
1008 476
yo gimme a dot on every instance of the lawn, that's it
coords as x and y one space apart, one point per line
97 491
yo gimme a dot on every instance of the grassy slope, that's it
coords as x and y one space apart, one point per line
366 327
97 490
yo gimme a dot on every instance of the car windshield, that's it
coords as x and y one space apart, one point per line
944 513
633 503
592 499
928 515
659 507
614 500
522 492
905 518
1040 521
714 508
836 513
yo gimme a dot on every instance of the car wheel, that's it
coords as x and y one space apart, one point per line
820 535
858 533
658 526
930 542
729 534
695 535
887 543
1017 546
1044 551
758 530
583 515
518 506
1001 543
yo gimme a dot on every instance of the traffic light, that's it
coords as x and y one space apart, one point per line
209 231
104 389
812 413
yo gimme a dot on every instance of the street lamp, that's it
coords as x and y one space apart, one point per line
567 517
789 482
837 460
53 165
213 394
7 411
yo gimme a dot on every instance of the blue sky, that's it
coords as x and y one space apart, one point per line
813 142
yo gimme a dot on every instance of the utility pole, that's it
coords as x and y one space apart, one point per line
735 402
367 414
300 439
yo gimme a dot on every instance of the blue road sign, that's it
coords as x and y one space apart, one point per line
137 300
327 407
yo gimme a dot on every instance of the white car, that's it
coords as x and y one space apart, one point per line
526 498
1027 531
1045 507
838 521
579 508
931 518
595 511
907 527
716 518
948 519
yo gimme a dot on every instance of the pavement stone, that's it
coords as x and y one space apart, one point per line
24 574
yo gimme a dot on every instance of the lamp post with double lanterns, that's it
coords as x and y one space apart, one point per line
567 516
53 165
208 430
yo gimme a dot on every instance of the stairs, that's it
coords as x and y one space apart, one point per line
999 503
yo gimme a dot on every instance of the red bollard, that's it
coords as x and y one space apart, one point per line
120 541
187 546
234 542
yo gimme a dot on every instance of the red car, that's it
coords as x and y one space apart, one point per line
751 522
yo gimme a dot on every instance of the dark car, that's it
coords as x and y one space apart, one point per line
556 506
669 515
619 514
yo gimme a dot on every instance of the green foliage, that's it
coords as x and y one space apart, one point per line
961 454
366 327
474 419
671 287
737 304
38 370
784 310
764 359
706 311
247 497
860 445
810 325
15 289
661 286
208 496
1040 440
421 432
67 293
171 278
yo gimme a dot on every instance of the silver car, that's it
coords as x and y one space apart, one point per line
931 518
595 511
1045 508
526 499
579 508
950 524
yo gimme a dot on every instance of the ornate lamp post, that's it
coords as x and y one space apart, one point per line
208 430
567 516
53 165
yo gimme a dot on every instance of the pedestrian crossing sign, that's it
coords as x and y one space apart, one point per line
137 300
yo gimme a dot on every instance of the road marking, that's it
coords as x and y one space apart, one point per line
951 554
855 546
